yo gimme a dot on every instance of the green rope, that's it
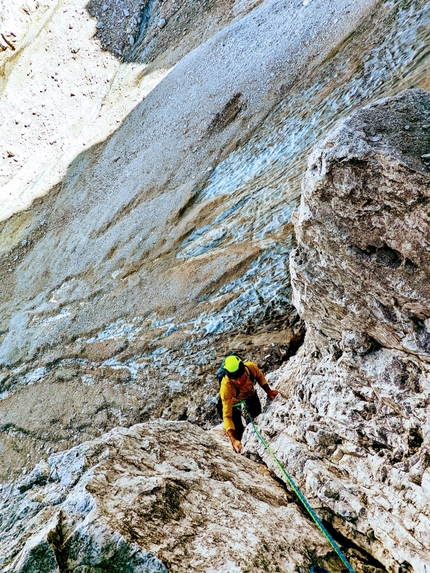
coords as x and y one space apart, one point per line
299 493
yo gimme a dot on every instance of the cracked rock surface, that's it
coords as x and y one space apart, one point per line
153 498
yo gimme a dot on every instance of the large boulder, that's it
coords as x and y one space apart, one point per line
153 498
363 260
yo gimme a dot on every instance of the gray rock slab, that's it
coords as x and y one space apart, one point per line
156 497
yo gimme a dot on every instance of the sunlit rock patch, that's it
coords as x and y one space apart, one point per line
155 498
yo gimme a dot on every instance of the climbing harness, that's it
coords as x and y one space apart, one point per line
318 522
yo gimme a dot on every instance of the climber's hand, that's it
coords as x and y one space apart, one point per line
272 394
237 445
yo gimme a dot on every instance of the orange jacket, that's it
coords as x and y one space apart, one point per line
231 394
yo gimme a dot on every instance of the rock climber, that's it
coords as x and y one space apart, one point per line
237 384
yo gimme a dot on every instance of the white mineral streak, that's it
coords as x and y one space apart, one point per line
153 498
355 432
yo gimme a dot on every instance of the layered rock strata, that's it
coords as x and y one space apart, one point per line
355 432
155 498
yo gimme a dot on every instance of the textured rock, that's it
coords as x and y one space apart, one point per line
177 228
364 230
355 432
154 498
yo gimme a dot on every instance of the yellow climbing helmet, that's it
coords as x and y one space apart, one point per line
234 366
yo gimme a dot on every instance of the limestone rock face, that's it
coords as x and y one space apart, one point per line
145 230
363 260
161 230
153 498
355 431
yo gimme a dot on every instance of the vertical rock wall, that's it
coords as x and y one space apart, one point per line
363 229
112 311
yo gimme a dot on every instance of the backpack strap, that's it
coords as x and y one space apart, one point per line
251 375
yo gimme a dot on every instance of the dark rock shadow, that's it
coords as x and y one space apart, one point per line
121 24
142 30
